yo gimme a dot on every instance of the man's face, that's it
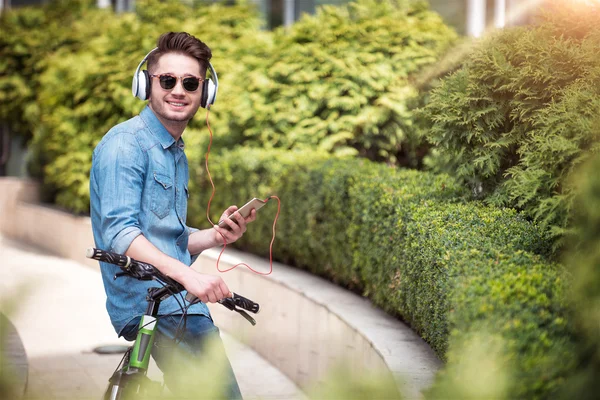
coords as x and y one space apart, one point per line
177 104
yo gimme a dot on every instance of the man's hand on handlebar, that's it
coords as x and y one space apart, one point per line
208 288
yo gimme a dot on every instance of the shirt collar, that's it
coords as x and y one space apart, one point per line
157 128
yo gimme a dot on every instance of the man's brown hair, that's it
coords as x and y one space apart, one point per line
182 43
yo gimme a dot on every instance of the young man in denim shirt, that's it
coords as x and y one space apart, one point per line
139 194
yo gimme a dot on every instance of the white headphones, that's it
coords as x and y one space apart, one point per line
141 84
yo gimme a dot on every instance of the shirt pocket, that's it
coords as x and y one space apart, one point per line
162 195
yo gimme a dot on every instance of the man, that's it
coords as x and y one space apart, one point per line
139 194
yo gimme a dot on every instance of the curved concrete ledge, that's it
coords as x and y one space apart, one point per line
306 325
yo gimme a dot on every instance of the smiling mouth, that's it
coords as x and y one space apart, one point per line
173 103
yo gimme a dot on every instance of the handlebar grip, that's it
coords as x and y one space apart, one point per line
108 257
246 304
239 301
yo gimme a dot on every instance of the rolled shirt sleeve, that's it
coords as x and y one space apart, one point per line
120 174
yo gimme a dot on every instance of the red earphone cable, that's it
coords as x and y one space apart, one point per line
223 236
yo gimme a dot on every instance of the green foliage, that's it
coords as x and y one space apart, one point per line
344 384
522 113
479 373
521 299
404 239
340 81
584 261
27 36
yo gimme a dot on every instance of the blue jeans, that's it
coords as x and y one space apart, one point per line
180 360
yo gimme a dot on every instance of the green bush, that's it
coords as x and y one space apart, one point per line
521 299
313 229
522 113
27 36
74 117
583 260
408 272
407 241
340 81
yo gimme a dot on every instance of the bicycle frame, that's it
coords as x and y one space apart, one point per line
140 355
128 380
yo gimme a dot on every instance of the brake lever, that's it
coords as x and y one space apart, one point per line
230 304
245 315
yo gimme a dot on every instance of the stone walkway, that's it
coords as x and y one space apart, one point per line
57 306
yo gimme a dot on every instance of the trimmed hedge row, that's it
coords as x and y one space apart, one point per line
521 300
404 239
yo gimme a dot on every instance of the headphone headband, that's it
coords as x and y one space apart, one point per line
141 84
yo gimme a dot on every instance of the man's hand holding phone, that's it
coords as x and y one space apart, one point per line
232 224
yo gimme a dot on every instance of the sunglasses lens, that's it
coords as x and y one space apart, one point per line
167 81
191 84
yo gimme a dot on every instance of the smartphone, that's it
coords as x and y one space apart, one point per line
245 210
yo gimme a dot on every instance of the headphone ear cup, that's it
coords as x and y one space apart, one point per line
208 93
204 93
148 85
141 85
141 82
135 84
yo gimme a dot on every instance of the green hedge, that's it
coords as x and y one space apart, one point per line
519 298
27 37
523 113
340 80
406 240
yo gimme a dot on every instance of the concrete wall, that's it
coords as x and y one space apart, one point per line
23 218
306 325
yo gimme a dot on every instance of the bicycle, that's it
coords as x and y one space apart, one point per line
129 381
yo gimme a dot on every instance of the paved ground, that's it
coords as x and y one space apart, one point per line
61 318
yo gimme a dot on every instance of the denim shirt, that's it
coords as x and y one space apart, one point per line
139 186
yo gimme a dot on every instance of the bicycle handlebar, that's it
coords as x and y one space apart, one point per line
137 269
144 271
